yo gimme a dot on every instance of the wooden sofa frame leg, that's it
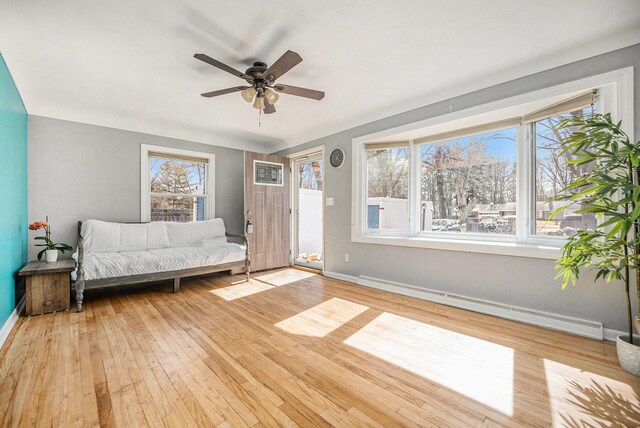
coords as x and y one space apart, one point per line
176 285
79 290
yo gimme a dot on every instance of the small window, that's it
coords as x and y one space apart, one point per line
468 184
178 188
268 173
552 174
388 188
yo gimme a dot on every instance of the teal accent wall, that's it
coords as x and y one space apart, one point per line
13 191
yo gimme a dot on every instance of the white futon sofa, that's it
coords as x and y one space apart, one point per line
112 254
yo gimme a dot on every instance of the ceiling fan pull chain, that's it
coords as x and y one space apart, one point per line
260 118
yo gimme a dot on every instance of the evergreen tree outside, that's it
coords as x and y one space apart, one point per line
175 185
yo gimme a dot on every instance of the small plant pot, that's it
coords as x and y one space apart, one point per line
52 256
629 354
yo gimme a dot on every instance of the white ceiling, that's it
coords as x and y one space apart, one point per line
129 64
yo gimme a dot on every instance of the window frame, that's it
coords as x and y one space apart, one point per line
392 232
467 236
615 91
145 178
530 230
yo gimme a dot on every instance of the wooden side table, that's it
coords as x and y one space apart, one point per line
48 286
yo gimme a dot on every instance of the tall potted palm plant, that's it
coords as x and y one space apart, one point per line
611 191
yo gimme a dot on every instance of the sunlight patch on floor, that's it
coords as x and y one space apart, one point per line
284 277
322 319
240 290
601 401
480 370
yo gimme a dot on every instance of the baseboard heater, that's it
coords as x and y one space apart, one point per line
577 326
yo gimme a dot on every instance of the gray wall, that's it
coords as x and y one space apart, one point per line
79 171
519 281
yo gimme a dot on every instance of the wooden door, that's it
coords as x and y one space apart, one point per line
266 206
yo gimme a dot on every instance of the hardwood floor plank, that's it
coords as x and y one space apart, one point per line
104 409
290 349
10 366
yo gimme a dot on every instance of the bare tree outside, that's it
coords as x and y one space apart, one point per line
310 175
470 183
554 173
388 173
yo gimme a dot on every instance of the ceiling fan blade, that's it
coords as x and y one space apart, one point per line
221 66
224 91
285 63
300 92
268 107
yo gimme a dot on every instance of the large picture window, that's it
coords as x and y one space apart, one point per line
177 185
468 184
482 180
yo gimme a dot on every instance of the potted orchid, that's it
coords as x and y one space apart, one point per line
51 248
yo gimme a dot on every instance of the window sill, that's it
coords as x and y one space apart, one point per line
537 251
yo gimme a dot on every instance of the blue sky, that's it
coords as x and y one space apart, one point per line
502 144
499 144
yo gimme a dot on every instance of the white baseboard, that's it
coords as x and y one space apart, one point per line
341 276
592 329
581 327
11 321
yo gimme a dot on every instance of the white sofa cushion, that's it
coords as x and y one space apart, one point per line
133 237
106 237
185 234
100 236
125 263
157 236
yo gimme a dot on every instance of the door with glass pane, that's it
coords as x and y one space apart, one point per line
267 208
308 216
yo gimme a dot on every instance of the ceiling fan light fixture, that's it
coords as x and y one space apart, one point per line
259 103
248 94
271 96
259 87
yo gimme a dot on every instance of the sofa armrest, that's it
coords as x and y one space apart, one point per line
247 260
241 238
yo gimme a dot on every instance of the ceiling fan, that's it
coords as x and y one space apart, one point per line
263 90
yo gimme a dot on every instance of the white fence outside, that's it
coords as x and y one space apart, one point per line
310 221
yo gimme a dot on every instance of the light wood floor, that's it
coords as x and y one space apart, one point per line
293 348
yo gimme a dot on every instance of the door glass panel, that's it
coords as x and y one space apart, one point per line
309 212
